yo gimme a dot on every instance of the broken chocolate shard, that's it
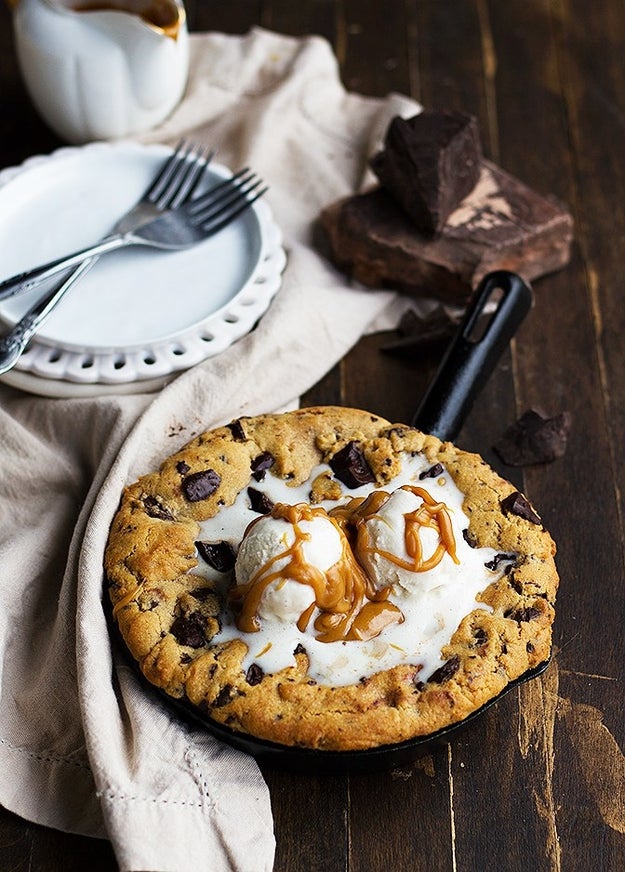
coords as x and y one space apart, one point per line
498 559
259 502
480 635
261 464
182 467
432 472
236 428
469 538
223 697
190 630
518 504
414 332
200 485
254 674
155 509
446 671
528 613
534 438
219 555
350 466
206 595
429 164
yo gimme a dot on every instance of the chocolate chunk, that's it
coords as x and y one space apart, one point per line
429 164
155 509
446 671
236 428
223 697
414 332
518 504
522 615
202 593
254 674
515 584
219 555
299 649
350 467
502 557
259 501
432 472
190 630
469 538
534 438
182 467
200 485
480 636
261 464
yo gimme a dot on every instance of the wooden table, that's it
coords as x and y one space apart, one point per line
538 782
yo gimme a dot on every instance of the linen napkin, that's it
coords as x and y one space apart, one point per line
83 747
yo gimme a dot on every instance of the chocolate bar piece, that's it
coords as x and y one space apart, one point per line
502 224
534 438
414 332
429 164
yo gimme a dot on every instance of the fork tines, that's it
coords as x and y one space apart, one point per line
226 200
180 175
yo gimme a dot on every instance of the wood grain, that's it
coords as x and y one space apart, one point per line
538 782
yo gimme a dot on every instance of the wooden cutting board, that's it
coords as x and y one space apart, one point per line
501 224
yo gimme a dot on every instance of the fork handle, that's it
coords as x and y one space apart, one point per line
13 343
29 279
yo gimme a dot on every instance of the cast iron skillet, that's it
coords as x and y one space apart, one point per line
498 307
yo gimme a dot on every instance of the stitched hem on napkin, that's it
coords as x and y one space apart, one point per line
39 777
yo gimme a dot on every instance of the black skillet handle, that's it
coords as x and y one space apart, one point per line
473 353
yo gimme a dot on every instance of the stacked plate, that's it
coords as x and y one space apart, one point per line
140 316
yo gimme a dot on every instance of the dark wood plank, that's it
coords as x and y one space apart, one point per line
311 821
227 16
303 18
591 563
25 847
374 46
402 819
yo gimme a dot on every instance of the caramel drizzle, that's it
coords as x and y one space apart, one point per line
351 607
430 514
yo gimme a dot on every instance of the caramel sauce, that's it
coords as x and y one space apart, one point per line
163 15
430 514
351 607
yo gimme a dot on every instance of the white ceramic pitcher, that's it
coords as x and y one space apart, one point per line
102 69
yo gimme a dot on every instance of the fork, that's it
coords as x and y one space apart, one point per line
175 182
183 224
202 216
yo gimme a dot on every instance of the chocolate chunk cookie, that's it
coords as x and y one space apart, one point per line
326 579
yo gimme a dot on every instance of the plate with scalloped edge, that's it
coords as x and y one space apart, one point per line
140 316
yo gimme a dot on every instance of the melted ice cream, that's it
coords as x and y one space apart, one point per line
432 601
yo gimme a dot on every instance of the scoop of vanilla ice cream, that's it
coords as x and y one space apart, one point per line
386 533
285 599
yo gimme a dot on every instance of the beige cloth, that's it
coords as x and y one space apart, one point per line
82 747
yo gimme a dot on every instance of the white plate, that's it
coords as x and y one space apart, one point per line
139 315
